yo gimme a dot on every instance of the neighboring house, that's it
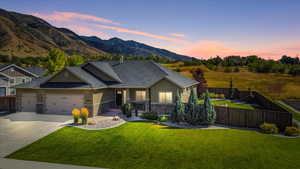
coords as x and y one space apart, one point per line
12 75
103 85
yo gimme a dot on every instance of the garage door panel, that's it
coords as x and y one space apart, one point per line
28 102
63 104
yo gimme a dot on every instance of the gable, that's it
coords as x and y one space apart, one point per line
98 73
65 77
14 71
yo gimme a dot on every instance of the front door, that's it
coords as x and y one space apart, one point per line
119 97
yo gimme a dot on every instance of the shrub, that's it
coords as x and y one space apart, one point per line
163 118
126 109
215 95
236 69
227 70
84 115
292 131
76 115
269 128
149 116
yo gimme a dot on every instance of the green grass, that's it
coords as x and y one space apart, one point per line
229 103
141 145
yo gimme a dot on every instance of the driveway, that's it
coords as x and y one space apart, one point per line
20 129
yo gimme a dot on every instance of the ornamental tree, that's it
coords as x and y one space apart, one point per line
178 114
208 110
192 113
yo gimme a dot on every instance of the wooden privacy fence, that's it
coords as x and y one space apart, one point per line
252 118
8 103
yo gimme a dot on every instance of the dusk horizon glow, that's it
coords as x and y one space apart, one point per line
204 29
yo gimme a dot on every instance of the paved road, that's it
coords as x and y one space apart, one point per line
20 129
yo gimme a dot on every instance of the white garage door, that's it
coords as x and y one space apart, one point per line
63 103
28 102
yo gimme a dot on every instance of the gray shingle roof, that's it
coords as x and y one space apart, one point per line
129 74
106 68
85 76
36 70
137 73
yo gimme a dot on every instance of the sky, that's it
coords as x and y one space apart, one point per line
197 28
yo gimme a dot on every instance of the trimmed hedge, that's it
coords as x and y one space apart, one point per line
149 116
292 131
269 128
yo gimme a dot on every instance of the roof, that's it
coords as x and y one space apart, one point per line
137 73
34 70
107 69
129 74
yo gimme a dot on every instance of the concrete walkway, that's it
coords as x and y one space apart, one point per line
21 164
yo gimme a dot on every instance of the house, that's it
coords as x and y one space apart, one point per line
103 85
12 75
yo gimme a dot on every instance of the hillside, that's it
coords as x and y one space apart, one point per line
130 48
26 35
244 79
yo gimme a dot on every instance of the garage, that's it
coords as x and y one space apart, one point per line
28 102
62 103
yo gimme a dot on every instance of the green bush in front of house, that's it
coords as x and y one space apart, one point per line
126 109
269 128
163 118
291 131
150 116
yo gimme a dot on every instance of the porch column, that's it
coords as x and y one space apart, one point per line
149 102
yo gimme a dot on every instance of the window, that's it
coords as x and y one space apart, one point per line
12 81
165 97
12 91
140 95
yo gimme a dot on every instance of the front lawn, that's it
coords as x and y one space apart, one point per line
142 145
229 103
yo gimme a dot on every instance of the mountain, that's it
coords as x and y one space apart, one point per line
130 48
26 35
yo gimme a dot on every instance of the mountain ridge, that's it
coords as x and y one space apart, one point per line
25 35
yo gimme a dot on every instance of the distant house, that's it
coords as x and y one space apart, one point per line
12 75
103 85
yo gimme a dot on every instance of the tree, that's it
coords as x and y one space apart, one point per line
192 113
75 60
209 111
178 114
56 61
198 75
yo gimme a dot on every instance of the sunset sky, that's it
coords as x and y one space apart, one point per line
198 28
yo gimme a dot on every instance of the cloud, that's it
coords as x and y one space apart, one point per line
177 35
207 49
84 24
86 31
135 32
71 16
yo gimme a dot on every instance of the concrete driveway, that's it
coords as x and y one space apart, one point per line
20 129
